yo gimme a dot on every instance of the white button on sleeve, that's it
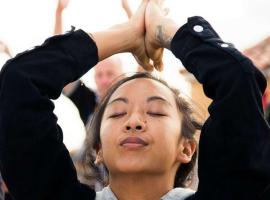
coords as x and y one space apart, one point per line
224 45
198 28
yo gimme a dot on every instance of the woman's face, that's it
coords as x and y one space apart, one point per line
140 129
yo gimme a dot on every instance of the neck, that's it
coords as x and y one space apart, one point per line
140 187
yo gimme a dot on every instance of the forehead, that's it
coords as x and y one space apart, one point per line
142 88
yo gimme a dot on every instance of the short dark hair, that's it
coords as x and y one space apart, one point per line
189 127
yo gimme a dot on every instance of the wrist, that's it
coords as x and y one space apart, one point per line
125 37
117 39
164 32
59 11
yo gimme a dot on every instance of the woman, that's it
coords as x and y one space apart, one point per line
153 134
141 138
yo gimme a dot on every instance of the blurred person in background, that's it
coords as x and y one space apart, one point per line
260 53
260 56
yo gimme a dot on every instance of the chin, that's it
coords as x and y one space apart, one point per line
133 166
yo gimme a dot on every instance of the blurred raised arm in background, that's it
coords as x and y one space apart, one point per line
58 28
4 49
127 8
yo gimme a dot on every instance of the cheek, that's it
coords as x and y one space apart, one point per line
167 133
105 132
109 144
108 135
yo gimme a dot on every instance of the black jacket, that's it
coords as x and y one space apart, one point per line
2 195
234 151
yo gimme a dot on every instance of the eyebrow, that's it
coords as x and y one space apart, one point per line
121 99
155 98
149 99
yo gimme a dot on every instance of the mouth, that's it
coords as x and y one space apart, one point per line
133 143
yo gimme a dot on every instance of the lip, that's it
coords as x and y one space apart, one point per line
133 142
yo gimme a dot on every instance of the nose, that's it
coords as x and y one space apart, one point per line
135 124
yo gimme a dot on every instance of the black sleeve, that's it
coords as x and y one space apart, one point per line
1 191
84 99
234 149
34 161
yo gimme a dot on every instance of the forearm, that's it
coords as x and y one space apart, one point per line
165 31
58 26
71 87
7 51
117 39
230 164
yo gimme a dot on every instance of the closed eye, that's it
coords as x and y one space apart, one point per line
156 114
117 115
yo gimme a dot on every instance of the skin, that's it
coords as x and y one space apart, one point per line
159 32
127 8
153 48
107 72
126 37
61 6
142 109
4 49
145 35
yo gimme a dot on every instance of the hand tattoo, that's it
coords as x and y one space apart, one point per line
162 37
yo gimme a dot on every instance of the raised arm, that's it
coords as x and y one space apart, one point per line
126 7
234 147
4 49
58 27
82 97
34 161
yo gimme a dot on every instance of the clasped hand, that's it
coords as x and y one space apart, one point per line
145 35
150 32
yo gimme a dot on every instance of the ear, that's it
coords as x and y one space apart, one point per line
186 149
99 157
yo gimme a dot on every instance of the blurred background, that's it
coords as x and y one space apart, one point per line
28 23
